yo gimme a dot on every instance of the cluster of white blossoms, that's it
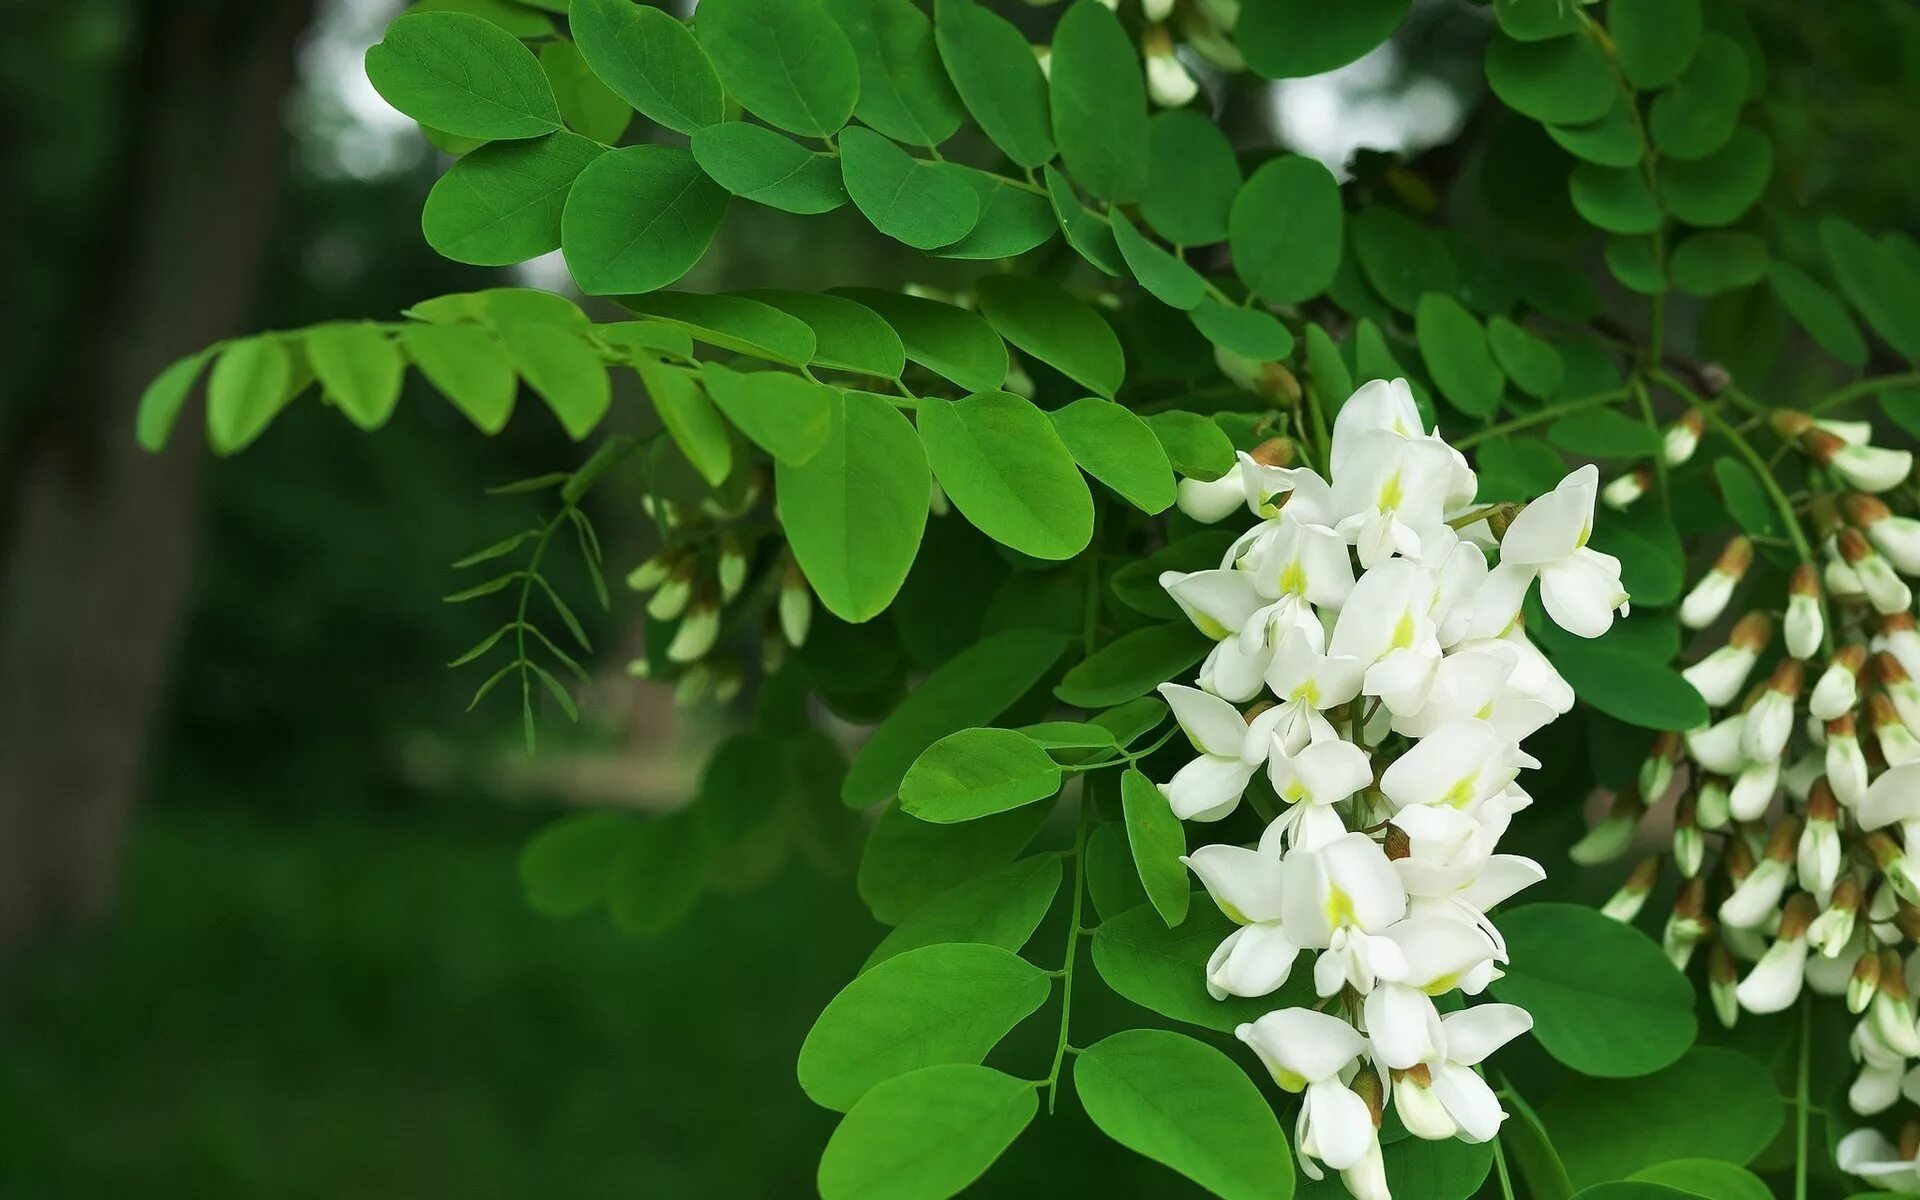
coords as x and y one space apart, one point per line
1371 662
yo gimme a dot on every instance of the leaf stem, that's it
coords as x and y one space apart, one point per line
1073 949
1550 412
1802 1086
1864 387
1744 449
1500 1165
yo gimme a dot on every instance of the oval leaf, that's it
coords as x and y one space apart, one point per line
1006 470
976 773
638 218
925 1136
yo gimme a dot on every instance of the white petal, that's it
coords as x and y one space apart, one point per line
1300 1045
1895 796
1342 1125
1208 788
1474 1033
1469 1101
1215 726
1402 1025
1258 962
1555 525
1246 884
1581 593
1218 602
1358 870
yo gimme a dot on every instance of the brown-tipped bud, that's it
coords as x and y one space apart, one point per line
1897 622
1887 669
1668 745
1884 849
1256 709
1720 966
1787 677
1277 385
1846 895
1691 901
1735 559
1397 844
1752 632
1805 581
1821 804
1841 727
1367 1086
1644 875
1893 976
1274 452
1906 918
1851 657
1864 510
1796 916
1910 1140
1420 1073
1789 423
1853 546
1880 711
1866 972
1821 444
1737 859
1783 843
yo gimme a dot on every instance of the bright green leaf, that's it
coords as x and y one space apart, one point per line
1714 1103
904 92
1133 664
1119 449
469 367
1158 841
651 60
1099 98
785 61
789 417
1560 81
925 1135
638 218
949 341
975 773
252 381
1165 970
1007 471
1055 327
690 419
464 75
1285 229
1001 908
923 203
770 168
359 368
502 203
993 68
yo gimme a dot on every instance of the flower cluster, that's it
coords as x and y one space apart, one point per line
1371 662
1806 778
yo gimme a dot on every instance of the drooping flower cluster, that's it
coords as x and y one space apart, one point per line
1806 780
1372 665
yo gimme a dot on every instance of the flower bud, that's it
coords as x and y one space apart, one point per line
1775 981
1867 468
1722 979
1687 924
795 605
1754 898
1863 983
1168 81
697 632
1609 839
1838 689
1708 599
733 567
1770 721
1720 675
1846 763
1898 538
1806 621
1899 689
1890 1012
1689 847
1899 637
1885 590
1156 11
1621 492
1367 1179
1753 790
1833 929
1682 438
1895 867
1842 583
696 683
1890 733
1420 1110
1820 851
1210 502
1626 903
1656 770
652 572
672 595
1711 809
1717 748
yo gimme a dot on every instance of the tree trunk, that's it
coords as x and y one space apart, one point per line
96 537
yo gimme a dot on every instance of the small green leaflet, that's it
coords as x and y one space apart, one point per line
1007 471
949 341
735 323
462 75
1116 447
638 218
252 381
1132 665
1055 327
926 1134
1560 81
976 773
1099 102
993 68
469 367
789 417
659 874
359 369
848 336
502 204
1001 908
1164 275
1198 448
770 168
785 61
922 203
1158 841
1454 345
649 59
1192 179
909 863
690 419
1166 969
162 400
1286 228
563 369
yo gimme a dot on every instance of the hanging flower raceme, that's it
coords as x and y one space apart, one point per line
1370 662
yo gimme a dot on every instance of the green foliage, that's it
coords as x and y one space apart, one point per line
925 1134
1713 1103
976 773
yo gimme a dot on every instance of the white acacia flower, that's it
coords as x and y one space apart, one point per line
1299 673
1210 501
1391 493
1402 1023
1231 750
1579 586
1462 762
1872 1156
1308 1051
1340 898
1445 1097
1387 626
1311 782
1247 886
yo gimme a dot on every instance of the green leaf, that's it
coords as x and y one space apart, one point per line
789 417
1611 141
1197 447
909 863
1720 188
1099 103
590 107
1119 449
1635 264
1746 499
1090 236
1326 369
359 368
1560 81
1007 471
785 61
162 400
651 60
1534 1158
1159 841
926 1135
462 75
1651 572
1706 1177
948 1003
1536 20
1248 332
1639 692
1697 115
1165 970
1012 219
1618 1008
1531 362
1112 882
1133 664
566 868
566 372
469 367
1288 39
1516 469
509 15
1876 281
1193 177
1654 39
971 688
1707 264
1604 433
1818 311
993 68
1055 327
638 218
1714 1103
252 381
1001 908
758 164
1183 1103
733 323
1400 257
502 203
949 341
848 336
657 879
976 773
1615 199
690 419
1285 229
1136 583
913 200
1165 276
1454 345
904 92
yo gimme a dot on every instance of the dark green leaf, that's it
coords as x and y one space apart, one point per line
1099 99
638 218
1720 188
658 876
502 203
993 68
1013 220
1611 141
1877 281
1248 332
1287 39
925 1135
1006 470
949 341
904 92
913 200
651 60
789 417
1164 275
1654 39
1713 1103
1531 362
758 164
1707 264
1088 234
1193 177
1158 841
566 868
1639 692
1400 257
1560 81
1055 327
1196 446
1454 345
464 75
1695 116
1818 312
1604 433
1166 969
785 61
1706 1177
909 863
1132 665
1285 229
848 336
1615 199
1001 908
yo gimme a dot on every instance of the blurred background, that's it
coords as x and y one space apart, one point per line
260 928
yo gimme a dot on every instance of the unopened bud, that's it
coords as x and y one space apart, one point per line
697 632
1774 982
1689 847
1833 929
733 567
1894 865
1687 924
1863 983
1806 619
1708 599
1722 978
1838 688
1609 839
1626 903
1168 81
696 684
673 594
1656 770
795 604
1885 590
1711 805
1621 492
1682 438
1897 743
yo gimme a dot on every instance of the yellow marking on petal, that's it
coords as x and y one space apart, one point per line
1586 531
1231 912
1486 712
1207 625
1338 908
1309 691
1288 1080
1293 579
1390 493
1461 793
1294 793
1443 985
1403 632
